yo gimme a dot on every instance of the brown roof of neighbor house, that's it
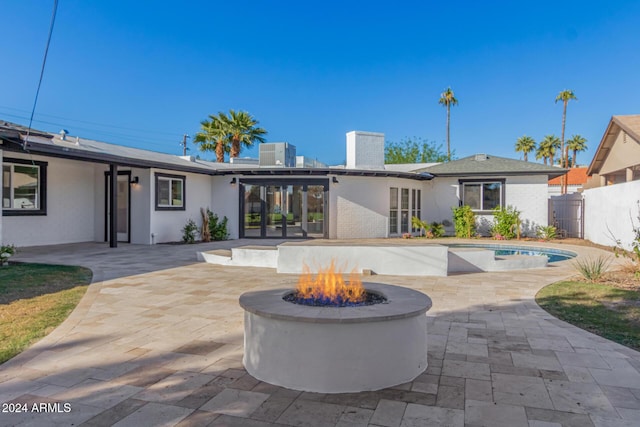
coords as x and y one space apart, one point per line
629 124
575 176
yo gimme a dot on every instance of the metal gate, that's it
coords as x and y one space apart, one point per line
566 214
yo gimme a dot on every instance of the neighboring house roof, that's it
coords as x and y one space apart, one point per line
482 164
575 176
629 124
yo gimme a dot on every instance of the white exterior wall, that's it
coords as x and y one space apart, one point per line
141 208
70 214
359 206
611 213
224 202
166 226
528 194
1 177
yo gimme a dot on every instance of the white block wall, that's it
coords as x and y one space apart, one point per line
225 202
70 208
529 194
611 213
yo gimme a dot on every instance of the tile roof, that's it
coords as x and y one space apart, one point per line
481 164
575 176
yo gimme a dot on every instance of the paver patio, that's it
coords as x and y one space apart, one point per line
158 340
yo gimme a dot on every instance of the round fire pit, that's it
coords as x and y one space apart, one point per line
336 349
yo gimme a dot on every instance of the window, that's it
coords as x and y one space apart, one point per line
23 187
393 210
170 192
482 195
404 213
415 206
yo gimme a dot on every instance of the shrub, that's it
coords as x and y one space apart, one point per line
189 232
547 232
419 224
634 254
436 229
591 269
6 252
506 222
464 220
217 227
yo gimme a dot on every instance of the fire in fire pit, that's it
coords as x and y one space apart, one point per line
329 288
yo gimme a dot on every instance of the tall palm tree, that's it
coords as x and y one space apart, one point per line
213 136
243 131
576 143
541 153
526 145
565 96
447 99
549 145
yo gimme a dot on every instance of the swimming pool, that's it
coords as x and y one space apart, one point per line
554 255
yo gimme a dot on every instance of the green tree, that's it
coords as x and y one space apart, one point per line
243 130
565 96
447 99
525 144
213 136
413 150
576 143
549 145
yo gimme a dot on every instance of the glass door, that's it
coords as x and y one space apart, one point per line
296 209
253 210
275 211
123 212
315 211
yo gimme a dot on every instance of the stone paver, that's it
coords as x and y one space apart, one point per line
158 340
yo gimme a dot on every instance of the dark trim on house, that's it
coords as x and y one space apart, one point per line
503 193
184 192
107 175
423 176
42 177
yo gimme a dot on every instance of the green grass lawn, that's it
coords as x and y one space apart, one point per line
34 300
605 310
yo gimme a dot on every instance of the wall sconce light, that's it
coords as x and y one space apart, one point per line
233 181
335 180
135 180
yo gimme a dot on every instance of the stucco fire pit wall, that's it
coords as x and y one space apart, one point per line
336 349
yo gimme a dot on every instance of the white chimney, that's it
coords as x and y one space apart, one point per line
365 150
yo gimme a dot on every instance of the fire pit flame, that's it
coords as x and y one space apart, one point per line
329 288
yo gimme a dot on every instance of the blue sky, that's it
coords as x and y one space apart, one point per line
144 73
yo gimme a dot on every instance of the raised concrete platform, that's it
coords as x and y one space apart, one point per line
427 259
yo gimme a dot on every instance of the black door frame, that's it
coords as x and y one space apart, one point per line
107 187
304 182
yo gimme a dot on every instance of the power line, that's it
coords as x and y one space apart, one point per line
44 62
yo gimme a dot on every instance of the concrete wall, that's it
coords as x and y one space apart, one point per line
611 213
166 226
71 212
528 194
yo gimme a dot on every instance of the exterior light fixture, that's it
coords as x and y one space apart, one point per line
135 180
233 181
335 180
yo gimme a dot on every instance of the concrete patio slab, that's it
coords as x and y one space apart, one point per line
158 339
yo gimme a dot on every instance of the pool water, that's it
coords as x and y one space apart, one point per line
554 255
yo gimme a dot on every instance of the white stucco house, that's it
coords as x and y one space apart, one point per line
61 189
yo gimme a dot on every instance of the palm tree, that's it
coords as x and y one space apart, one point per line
576 143
526 145
541 153
565 96
213 136
242 130
549 145
447 99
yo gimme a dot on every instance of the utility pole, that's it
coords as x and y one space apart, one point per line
184 144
